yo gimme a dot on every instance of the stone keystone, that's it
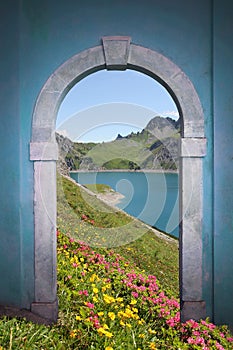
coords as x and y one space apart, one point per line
116 51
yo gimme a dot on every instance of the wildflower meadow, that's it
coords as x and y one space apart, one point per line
116 306
107 301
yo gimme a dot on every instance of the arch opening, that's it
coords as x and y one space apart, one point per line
103 107
117 53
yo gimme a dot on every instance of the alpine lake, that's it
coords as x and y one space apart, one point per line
150 196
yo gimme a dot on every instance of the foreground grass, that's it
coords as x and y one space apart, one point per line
107 303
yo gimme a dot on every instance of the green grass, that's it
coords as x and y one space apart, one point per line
106 152
98 188
119 163
97 213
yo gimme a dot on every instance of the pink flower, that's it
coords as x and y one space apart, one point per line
83 292
200 340
219 346
90 305
191 340
196 333
135 294
193 324
171 322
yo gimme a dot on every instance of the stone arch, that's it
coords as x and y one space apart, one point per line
118 53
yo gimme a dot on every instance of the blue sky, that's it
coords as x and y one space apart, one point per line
108 103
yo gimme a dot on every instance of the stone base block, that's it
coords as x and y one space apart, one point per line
47 311
40 314
193 310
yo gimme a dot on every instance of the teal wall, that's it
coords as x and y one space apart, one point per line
223 156
38 36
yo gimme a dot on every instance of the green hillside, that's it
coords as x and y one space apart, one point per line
155 147
88 219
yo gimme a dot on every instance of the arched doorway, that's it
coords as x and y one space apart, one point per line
117 53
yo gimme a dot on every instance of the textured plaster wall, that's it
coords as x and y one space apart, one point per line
36 38
223 174
10 256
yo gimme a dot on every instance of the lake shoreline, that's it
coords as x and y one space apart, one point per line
156 171
111 198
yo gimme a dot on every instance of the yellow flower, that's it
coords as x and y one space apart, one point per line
95 290
95 299
93 277
119 300
100 314
122 323
128 325
102 331
107 348
128 313
133 302
151 331
108 299
152 346
141 336
107 286
78 318
72 335
108 334
141 321
111 315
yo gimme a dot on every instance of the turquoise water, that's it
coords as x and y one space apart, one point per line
150 197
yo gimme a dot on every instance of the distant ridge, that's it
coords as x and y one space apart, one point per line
154 148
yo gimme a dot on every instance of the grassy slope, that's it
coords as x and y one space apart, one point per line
129 237
105 152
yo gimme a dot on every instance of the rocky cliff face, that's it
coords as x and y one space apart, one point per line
155 147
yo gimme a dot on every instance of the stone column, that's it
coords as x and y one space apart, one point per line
44 156
191 194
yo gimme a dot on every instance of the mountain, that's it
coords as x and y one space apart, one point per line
155 147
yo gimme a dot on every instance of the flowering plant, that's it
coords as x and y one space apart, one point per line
116 306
